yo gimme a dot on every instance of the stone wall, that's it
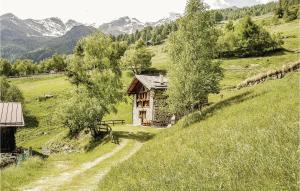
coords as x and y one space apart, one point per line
161 116
273 75
136 120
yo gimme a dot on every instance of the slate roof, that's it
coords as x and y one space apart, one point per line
11 115
150 82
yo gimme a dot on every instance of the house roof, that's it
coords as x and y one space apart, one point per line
149 82
11 115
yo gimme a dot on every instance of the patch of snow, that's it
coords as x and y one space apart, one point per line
52 27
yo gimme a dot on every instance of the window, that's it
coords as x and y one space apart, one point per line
143 99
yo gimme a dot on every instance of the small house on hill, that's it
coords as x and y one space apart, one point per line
149 100
11 117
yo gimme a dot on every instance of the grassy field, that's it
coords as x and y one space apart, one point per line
248 141
44 130
41 123
42 115
238 69
29 172
238 142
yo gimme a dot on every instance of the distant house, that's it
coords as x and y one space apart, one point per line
11 117
149 100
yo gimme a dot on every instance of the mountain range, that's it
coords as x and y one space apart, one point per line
127 25
39 39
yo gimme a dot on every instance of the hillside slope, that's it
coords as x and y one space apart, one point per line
247 141
42 124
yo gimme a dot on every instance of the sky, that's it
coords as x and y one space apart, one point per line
100 11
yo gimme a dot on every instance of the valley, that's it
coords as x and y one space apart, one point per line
243 139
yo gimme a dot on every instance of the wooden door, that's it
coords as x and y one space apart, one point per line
143 116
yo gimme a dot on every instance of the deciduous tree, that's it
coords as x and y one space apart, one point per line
193 74
5 67
137 58
9 92
94 68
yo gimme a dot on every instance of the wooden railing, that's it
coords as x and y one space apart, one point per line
112 122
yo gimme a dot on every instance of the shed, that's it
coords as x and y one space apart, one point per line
11 117
149 100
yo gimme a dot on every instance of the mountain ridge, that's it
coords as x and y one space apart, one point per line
39 39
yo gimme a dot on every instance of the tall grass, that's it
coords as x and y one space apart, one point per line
246 142
15 176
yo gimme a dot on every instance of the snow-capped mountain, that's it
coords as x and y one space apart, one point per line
122 25
39 39
171 18
127 25
52 27
55 27
47 27
71 23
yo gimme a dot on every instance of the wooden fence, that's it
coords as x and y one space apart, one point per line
40 75
112 122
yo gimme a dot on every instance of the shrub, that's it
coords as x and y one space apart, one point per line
247 39
5 67
9 92
82 113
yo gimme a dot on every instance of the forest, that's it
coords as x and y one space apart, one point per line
235 39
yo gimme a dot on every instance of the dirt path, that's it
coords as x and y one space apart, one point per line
54 182
92 183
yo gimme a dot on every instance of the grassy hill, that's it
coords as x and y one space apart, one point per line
42 125
238 69
248 141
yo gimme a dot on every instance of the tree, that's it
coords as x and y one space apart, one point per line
24 67
287 9
94 68
83 112
9 92
218 16
56 63
247 39
229 26
252 39
137 58
193 74
5 67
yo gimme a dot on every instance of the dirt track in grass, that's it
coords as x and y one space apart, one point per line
56 182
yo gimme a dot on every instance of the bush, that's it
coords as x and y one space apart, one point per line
5 67
56 63
9 92
247 39
24 68
290 14
83 113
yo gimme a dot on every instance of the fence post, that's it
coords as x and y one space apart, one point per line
30 151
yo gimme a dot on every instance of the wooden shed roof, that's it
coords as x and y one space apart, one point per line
149 82
11 115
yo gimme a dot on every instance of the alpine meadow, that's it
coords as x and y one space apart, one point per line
204 99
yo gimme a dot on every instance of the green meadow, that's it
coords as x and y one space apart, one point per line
248 139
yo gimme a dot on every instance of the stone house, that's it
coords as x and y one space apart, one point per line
149 100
